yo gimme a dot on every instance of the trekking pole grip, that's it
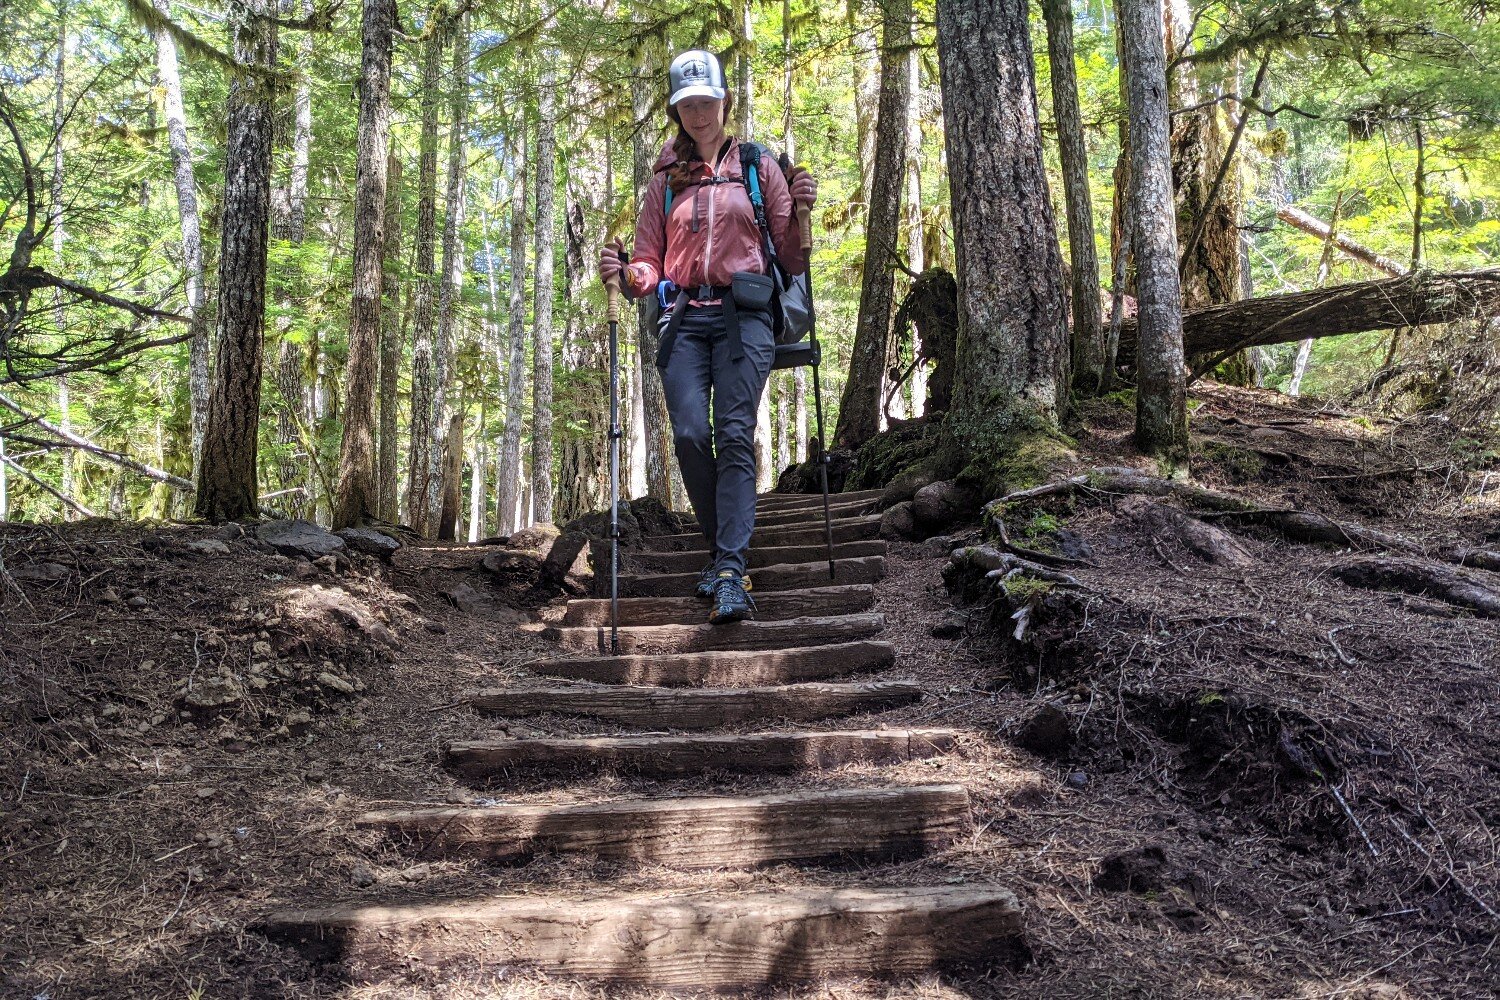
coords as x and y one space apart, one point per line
613 287
804 223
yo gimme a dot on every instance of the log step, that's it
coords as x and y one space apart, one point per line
782 501
694 560
721 942
845 529
745 669
679 756
813 515
702 638
870 824
649 707
788 576
775 606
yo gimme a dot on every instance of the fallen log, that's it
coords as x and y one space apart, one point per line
1300 220
1384 304
1423 579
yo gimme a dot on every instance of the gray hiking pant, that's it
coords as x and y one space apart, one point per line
718 458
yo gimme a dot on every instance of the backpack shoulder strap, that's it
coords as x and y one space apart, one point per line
750 154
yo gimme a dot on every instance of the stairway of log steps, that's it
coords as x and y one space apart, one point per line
675 673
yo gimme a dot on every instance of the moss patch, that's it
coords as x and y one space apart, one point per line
907 448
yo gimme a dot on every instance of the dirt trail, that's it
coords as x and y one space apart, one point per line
1174 784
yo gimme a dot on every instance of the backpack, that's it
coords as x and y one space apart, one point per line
792 302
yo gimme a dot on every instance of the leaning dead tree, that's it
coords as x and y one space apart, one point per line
1410 300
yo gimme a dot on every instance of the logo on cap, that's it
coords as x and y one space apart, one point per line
694 70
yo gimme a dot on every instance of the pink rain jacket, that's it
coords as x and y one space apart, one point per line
712 231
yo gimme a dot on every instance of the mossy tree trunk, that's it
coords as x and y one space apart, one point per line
1012 352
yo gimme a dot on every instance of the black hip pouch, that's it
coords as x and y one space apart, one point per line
751 290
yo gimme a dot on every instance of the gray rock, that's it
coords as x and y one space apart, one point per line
212 698
503 562
473 602
898 524
942 503
537 538
334 682
208 547
369 541
48 572
299 538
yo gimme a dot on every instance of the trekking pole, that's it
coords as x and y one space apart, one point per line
804 225
613 313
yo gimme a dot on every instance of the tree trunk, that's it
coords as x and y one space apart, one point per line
543 290
744 89
1088 333
452 483
357 497
1325 267
860 408
478 480
1161 393
289 223
916 256
583 462
508 488
454 266
655 424
419 452
1012 330
390 348
59 118
192 235
866 96
227 474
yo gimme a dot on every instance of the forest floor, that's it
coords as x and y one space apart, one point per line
1264 783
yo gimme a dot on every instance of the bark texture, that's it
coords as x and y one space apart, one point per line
390 347
1012 330
453 480
226 475
655 425
509 474
419 454
1161 394
192 235
357 496
860 408
1087 326
541 363
453 268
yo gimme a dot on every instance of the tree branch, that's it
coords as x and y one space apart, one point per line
83 444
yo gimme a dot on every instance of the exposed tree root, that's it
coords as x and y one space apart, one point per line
1422 578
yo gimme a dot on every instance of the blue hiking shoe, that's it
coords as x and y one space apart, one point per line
705 589
731 599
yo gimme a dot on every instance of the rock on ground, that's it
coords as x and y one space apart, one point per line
299 538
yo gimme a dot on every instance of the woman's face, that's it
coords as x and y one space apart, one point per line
702 117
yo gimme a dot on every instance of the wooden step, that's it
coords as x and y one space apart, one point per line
693 561
680 756
782 501
845 529
788 576
742 669
775 606
871 824
702 638
698 941
649 707
813 515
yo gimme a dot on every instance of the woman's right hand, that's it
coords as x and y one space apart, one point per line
611 262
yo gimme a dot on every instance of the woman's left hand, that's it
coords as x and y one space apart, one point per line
803 187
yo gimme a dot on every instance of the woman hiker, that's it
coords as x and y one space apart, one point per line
701 252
